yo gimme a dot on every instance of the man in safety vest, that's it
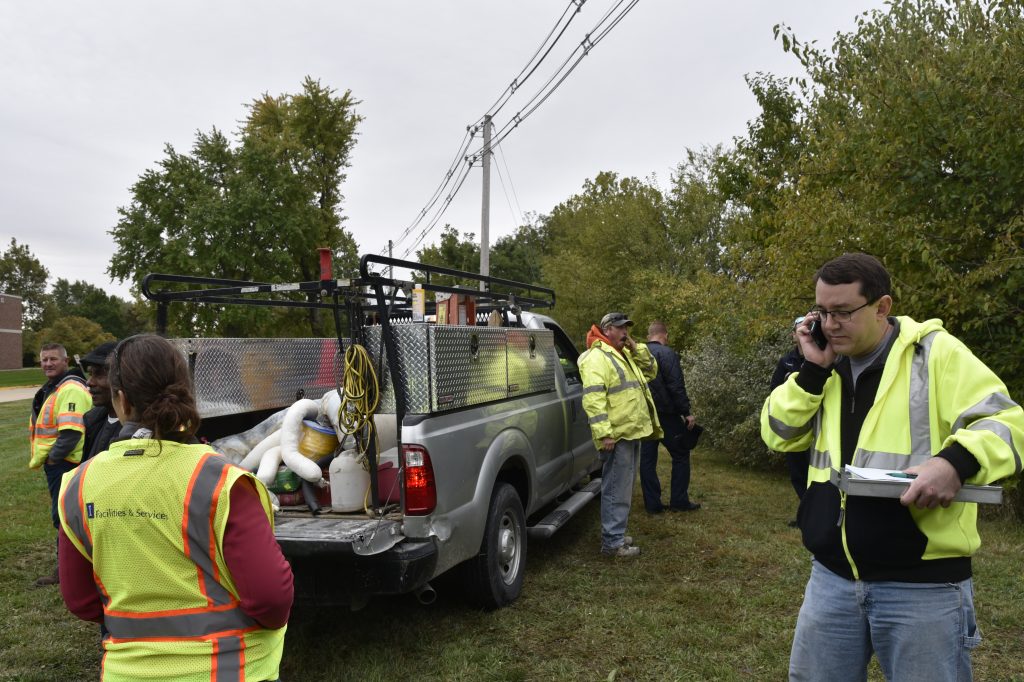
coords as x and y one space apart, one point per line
890 577
615 371
56 426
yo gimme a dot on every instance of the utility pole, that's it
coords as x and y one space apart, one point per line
485 211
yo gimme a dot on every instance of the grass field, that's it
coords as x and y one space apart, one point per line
29 376
713 597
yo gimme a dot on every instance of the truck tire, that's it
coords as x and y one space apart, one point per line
494 577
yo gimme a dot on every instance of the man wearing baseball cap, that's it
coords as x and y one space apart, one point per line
615 370
101 423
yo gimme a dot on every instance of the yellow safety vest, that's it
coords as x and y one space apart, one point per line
150 516
933 392
616 397
65 408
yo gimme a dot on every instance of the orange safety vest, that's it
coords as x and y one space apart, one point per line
150 516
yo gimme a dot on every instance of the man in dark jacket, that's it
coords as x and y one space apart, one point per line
796 462
101 423
673 405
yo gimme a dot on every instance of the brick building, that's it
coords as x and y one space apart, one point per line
10 331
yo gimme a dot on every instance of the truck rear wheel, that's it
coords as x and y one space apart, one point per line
495 576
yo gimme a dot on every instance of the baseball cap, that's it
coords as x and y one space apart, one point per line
98 355
615 320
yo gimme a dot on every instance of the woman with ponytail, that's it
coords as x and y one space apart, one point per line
167 544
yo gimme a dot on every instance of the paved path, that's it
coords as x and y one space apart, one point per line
8 395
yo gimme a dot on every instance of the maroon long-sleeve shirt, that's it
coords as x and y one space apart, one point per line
262 575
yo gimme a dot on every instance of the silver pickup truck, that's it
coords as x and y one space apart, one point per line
483 425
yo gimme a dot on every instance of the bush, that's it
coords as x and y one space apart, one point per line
727 387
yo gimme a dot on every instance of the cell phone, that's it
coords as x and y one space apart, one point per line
817 335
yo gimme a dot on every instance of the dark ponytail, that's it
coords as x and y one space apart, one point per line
156 381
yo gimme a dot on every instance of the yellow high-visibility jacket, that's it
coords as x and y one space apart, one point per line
933 395
150 515
65 408
616 397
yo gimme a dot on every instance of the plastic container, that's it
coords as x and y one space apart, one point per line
349 482
387 483
317 441
285 481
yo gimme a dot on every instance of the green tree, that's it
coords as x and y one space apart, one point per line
257 210
600 243
454 252
81 299
913 154
77 334
517 256
21 274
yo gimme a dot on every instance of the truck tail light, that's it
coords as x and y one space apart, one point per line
418 480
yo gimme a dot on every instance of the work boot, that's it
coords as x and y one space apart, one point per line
623 551
52 579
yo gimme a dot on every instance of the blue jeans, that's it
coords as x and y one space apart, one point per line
54 473
918 631
617 477
679 495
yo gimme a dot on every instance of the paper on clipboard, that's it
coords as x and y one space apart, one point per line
876 474
867 482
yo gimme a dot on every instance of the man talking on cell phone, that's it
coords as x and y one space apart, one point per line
615 370
889 577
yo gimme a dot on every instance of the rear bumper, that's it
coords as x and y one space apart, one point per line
336 562
349 578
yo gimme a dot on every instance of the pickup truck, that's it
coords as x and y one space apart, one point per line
484 426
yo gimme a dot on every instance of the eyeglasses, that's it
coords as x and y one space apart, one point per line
839 315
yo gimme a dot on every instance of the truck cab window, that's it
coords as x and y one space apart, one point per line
567 355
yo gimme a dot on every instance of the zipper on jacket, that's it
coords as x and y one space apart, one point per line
842 525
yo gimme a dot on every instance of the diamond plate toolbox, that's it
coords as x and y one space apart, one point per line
444 368
244 375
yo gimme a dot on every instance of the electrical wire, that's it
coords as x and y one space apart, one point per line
584 48
516 83
517 212
599 31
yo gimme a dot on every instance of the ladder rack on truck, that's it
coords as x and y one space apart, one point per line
378 307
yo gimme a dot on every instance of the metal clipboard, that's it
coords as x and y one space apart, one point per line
854 485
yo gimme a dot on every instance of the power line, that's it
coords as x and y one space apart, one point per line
517 213
599 32
516 83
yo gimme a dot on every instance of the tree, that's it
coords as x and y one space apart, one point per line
257 210
913 154
518 256
21 274
600 242
451 252
77 334
81 299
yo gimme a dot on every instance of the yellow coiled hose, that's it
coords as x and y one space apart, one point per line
360 395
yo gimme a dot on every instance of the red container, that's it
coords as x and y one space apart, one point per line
387 483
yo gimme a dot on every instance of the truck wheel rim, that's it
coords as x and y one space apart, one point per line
508 549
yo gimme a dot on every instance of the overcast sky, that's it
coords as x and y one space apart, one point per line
93 91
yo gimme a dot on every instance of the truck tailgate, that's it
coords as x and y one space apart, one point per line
301 536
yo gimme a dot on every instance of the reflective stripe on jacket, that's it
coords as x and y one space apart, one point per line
616 397
150 516
933 393
65 408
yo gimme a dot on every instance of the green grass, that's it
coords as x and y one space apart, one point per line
713 597
29 376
